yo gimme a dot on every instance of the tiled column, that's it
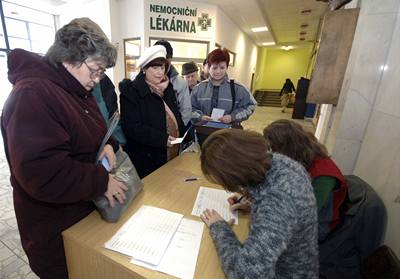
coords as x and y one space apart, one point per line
367 142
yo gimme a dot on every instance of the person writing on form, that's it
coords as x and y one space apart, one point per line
282 240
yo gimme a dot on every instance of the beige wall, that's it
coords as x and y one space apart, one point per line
125 23
274 65
230 36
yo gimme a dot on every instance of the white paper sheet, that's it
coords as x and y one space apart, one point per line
179 140
217 113
146 235
214 199
181 256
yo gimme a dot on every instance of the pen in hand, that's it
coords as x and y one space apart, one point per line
239 200
241 203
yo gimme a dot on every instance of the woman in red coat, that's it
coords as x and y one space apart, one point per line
330 189
52 129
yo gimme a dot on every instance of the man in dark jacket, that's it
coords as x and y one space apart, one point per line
286 93
204 71
190 73
179 84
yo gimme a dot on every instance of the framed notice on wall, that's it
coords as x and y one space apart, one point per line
232 55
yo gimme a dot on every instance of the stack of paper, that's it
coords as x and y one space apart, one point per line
160 240
181 256
146 235
214 199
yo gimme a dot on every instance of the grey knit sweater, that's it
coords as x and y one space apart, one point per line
283 236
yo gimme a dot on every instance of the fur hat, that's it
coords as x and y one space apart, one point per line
150 54
189 68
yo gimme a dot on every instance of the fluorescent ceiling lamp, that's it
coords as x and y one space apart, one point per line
268 43
287 48
259 29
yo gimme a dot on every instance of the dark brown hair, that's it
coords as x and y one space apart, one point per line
160 61
235 159
218 55
289 138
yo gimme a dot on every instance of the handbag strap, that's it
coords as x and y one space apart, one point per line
233 93
113 124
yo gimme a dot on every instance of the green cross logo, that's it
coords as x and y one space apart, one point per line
204 22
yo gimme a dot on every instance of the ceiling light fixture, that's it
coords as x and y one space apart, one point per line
302 39
268 43
287 48
304 25
303 33
259 29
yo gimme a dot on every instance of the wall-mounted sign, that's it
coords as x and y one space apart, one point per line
180 18
232 55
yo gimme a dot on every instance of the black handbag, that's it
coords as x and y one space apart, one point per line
124 172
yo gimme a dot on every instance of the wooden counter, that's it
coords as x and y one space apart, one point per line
165 188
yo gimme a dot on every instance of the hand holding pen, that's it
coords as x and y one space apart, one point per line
239 202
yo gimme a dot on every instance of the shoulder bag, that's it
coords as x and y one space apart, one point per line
124 172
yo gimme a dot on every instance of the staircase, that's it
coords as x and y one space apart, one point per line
268 98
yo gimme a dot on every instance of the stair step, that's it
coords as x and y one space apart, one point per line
268 98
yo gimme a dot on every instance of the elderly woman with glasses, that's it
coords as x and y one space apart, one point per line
52 129
149 113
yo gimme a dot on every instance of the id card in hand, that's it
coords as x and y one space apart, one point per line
104 162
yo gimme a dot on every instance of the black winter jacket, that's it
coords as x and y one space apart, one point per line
143 121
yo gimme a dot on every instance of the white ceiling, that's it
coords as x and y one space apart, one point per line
282 17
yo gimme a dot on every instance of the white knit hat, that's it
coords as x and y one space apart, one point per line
150 54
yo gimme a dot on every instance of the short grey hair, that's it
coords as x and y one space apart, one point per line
79 40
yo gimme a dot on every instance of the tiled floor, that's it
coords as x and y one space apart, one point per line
266 115
13 261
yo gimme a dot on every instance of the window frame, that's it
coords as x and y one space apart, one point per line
134 57
184 59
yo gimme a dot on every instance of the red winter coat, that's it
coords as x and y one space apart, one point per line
52 129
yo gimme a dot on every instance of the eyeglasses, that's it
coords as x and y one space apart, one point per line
99 73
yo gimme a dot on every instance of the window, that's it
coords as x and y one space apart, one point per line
131 54
5 85
2 37
186 51
26 28
42 37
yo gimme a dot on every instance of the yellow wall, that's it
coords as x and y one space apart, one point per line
275 65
